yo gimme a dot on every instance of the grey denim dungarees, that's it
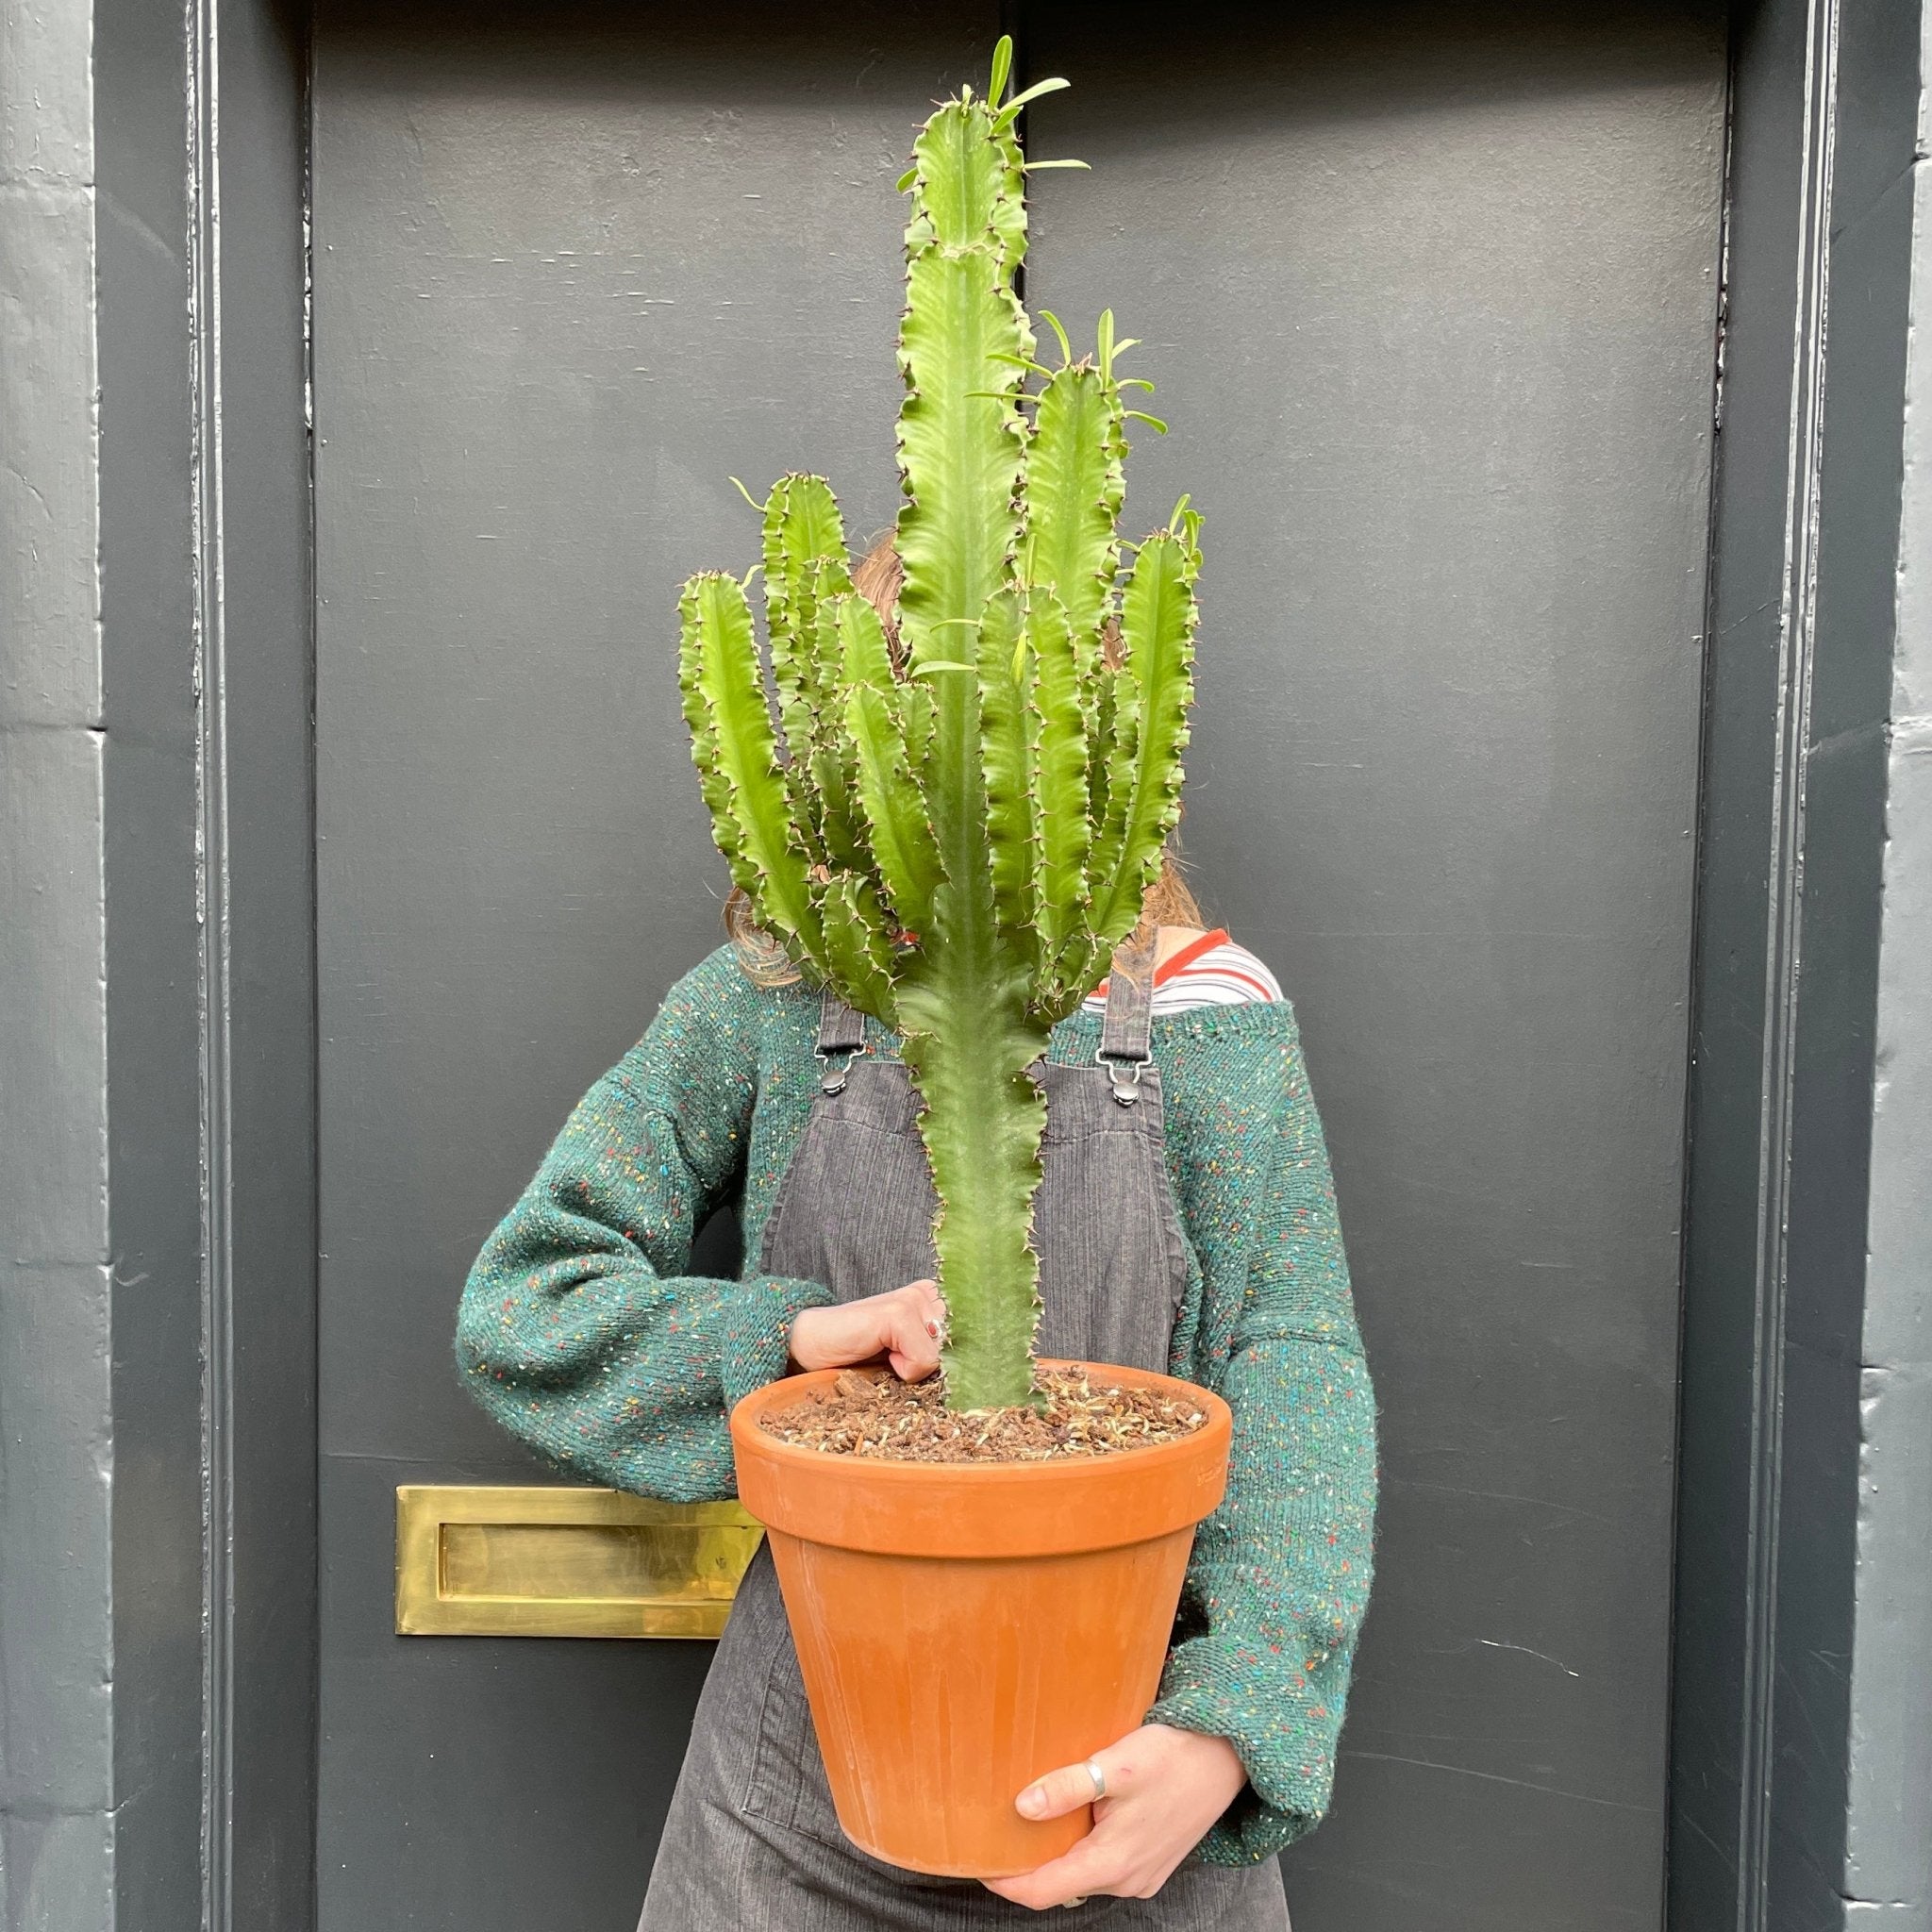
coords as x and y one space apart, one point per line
752 1843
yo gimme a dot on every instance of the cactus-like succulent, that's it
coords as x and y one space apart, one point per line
955 828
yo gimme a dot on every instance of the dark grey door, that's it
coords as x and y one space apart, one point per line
1429 297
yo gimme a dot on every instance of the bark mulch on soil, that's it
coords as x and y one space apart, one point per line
909 1422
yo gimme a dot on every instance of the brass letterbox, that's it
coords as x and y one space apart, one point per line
564 1562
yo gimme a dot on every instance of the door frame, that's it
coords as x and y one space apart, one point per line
1822 100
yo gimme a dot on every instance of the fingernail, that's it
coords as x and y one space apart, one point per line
1031 1801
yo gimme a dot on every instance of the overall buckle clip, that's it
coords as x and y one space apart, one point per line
1123 1076
832 1077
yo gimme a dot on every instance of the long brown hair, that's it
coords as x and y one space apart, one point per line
877 578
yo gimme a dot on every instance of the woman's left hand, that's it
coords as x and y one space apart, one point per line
1164 1788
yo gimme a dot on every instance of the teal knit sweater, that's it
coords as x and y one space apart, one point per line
581 1332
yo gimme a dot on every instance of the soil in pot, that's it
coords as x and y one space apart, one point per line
861 1414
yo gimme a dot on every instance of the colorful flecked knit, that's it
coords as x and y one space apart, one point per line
582 1333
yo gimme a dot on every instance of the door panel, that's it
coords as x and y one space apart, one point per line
1428 294
577 267
1429 301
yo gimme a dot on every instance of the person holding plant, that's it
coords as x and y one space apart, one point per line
980 1089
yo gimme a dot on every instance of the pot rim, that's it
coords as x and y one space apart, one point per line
1003 1509
764 1400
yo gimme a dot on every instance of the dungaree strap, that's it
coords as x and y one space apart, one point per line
841 1038
1127 1032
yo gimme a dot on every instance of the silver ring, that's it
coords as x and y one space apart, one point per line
1099 1777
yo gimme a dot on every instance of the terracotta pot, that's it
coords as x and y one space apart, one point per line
964 1628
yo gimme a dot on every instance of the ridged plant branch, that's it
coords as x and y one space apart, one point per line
956 835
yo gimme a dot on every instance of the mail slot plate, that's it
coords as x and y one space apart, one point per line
498 1561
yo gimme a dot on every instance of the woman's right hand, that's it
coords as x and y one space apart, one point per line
905 1326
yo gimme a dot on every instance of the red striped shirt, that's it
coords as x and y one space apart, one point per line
1210 970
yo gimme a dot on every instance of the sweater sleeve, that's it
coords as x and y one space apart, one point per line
1279 1576
580 1330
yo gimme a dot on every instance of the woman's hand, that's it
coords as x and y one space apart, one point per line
1164 1788
905 1326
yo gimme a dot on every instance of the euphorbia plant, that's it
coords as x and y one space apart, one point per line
955 828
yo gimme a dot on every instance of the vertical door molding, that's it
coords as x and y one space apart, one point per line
254 899
211 888
1806 562
1797 611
